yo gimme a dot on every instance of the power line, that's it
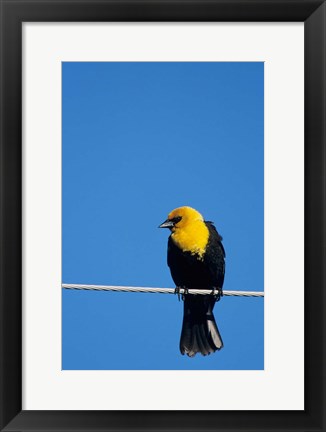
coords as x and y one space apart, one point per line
158 290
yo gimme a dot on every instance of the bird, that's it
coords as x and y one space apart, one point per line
196 258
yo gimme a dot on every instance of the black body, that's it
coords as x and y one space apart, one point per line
199 330
189 271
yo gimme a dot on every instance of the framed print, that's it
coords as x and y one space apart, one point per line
211 108
114 114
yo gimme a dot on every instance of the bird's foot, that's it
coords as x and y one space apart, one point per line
217 293
177 291
185 292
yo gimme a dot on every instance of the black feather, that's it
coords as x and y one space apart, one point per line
199 330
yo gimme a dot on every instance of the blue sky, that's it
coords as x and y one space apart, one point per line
138 140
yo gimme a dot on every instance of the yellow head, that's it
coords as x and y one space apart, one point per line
189 231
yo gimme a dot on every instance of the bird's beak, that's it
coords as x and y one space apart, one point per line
167 224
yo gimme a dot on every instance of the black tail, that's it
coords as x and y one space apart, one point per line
199 330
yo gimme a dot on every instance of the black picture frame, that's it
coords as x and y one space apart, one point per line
13 14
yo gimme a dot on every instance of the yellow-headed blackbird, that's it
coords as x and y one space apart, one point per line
196 258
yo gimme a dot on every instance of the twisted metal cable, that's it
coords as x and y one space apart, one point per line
158 290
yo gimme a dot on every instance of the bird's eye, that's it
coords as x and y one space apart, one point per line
176 219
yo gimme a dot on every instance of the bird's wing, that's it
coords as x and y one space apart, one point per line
215 235
215 255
